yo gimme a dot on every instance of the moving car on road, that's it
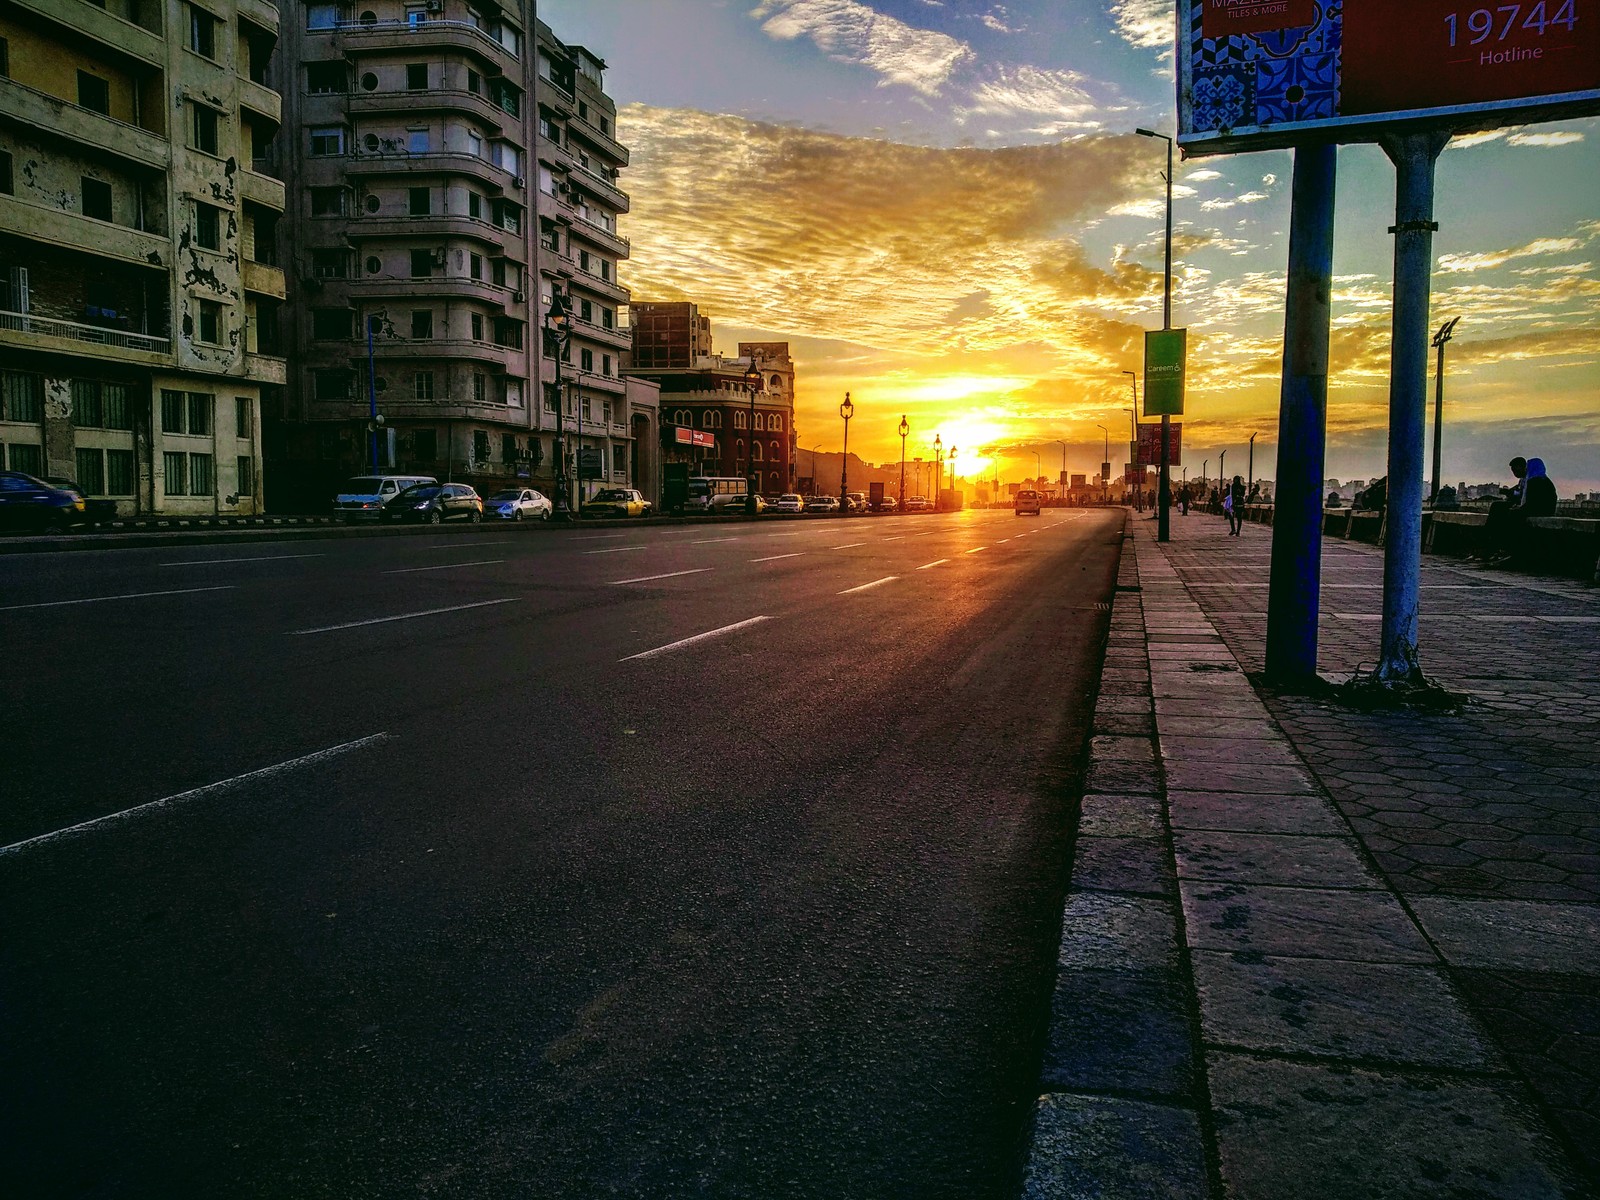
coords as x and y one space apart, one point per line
436 502
518 504
823 504
32 505
367 497
1027 502
616 502
789 502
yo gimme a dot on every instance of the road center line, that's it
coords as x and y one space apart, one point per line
598 537
668 575
875 583
227 587
202 562
775 557
708 541
975 549
427 612
896 538
699 637
482 562
474 545
934 563
848 546
304 760
616 550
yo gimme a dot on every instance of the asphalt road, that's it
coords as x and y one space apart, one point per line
720 861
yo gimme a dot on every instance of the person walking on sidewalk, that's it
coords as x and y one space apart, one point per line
1236 506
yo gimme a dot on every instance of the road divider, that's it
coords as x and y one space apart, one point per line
427 612
699 637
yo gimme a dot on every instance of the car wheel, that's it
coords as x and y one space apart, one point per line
475 516
517 516
435 517
544 514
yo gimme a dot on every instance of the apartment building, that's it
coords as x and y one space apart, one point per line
138 288
450 167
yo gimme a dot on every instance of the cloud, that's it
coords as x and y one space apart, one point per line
1222 202
1560 137
1484 260
851 32
1031 92
1148 24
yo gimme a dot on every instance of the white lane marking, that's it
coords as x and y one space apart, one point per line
875 583
304 760
668 575
708 541
481 562
616 550
975 549
699 637
598 537
462 545
776 557
934 563
848 546
203 562
427 612
896 538
227 587
1003 541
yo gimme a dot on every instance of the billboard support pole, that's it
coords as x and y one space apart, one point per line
1414 156
1294 598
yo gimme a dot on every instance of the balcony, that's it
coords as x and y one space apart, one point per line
261 278
586 381
78 232
582 227
93 21
266 368
27 331
356 37
261 100
610 288
606 144
599 333
262 189
261 13
32 108
432 226
431 287
387 349
433 162
592 181
430 100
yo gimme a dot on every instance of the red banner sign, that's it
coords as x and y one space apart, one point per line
1150 445
1223 18
693 437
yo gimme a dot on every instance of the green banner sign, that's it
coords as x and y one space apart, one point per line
1164 357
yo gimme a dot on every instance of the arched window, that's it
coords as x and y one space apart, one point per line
775 422
738 448
777 383
775 455
683 417
755 449
715 419
738 419
705 420
761 421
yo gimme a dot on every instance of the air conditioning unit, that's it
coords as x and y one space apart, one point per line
435 6
438 258
518 297
519 182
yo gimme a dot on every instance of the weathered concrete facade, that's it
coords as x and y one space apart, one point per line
428 231
138 295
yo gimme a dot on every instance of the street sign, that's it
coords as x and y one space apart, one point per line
1105 471
1165 355
1262 74
1150 445
588 463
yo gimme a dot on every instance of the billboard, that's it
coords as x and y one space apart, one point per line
1165 356
1150 445
1260 74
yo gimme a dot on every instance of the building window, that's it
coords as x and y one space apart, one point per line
772 448
477 327
243 417
327 78
416 141
739 420
480 446
175 468
245 466
208 225
619 459
508 216
117 405
475 266
330 264
210 322
416 76
331 324
8 185
506 96
329 202
755 449
586 360
96 199
422 385
480 388
586 311
474 82
421 201
202 475
202 32
328 140
422 323
331 385
186 412
27 458
607 317
550 397
426 445
91 471
119 472
94 93
421 264
605 365
508 332
88 409
475 206
203 128
171 411
322 16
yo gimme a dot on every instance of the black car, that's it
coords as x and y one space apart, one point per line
31 505
94 511
435 502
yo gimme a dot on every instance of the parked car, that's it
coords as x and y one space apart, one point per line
367 497
1027 501
32 505
435 502
518 504
94 511
789 502
741 505
886 504
917 504
823 504
616 502
855 502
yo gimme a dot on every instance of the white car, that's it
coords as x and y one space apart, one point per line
1027 501
788 502
517 504
823 504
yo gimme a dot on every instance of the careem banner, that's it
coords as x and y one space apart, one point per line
1257 74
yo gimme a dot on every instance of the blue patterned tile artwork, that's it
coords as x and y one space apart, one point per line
1296 89
1267 78
1224 97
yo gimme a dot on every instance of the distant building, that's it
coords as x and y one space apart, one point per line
670 334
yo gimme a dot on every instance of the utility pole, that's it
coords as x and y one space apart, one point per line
1439 340
1250 471
1164 481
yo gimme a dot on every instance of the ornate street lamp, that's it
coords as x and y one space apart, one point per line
752 381
952 457
905 428
846 410
557 331
938 472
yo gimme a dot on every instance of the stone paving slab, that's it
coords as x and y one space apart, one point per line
1246 778
1285 860
1297 1131
1513 934
1304 922
1260 814
1100 931
1107 1148
1135 865
1122 1031
1121 816
1243 750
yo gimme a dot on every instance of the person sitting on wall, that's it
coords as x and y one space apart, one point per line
1500 511
1507 531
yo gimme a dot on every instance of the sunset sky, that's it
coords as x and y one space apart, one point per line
941 206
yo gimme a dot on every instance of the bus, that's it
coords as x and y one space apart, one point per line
715 493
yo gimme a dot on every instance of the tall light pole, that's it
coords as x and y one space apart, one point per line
1439 340
1038 469
1064 476
846 410
1164 481
1222 470
1204 495
952 457
1133 443
1250 471
938 472
557 331
1105 468
752 382
905 428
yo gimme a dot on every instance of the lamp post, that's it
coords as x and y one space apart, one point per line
938 472
1063 484
752 382
1205 496
373 422
1164 482
846 410
558 329
952 457
1222 469
1133 443
1439 340
1105 468
1038 469
1250 470
905 428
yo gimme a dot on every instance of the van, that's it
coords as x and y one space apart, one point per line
716 494
365 497
1027 502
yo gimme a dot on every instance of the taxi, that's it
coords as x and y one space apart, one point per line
616 502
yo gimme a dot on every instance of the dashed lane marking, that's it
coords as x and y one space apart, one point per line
848 546
226 587
616 549
427 612
776 557
203 562
934 563
875 583
699 637
668 575
480 562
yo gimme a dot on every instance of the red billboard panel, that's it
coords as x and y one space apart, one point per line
1428 53
1223 18
1150 445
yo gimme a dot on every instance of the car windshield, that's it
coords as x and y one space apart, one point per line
422 491
363 485
506 496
